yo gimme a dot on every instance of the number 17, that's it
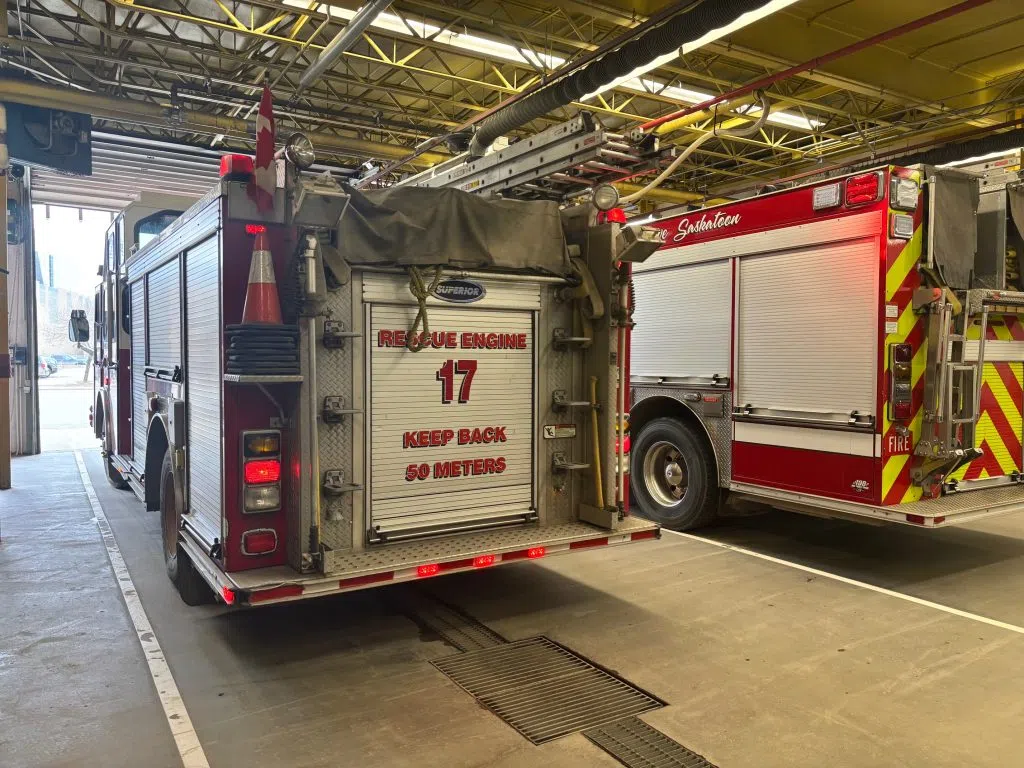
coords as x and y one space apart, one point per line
446 375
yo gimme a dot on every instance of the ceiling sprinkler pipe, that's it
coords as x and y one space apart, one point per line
659 41
342 41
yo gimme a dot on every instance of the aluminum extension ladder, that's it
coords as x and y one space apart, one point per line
952 390
559 163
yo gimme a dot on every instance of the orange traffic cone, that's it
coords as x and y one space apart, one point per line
262 305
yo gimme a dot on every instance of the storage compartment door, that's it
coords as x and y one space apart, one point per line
806 360
138 371
451 433
682 320
807 331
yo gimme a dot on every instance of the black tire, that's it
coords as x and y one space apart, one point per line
191 587
673 478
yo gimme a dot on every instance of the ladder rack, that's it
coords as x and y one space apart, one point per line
559 163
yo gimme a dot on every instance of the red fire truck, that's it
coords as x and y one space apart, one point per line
851 347
442 394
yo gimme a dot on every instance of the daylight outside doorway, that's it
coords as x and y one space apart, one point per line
68 253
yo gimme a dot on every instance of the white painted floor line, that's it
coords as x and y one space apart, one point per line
191 751
853 582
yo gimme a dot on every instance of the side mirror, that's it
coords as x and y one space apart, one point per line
78 326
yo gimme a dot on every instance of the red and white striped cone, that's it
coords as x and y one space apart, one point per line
262 305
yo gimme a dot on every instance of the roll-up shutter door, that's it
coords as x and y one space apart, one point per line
139 372
203 386
807 327
163 309
451 427
682 320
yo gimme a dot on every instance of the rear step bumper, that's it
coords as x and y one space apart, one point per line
389 564
951 509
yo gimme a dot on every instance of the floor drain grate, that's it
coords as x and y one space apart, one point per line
635 744
451 625
544 690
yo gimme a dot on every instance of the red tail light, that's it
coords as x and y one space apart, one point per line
262 471
236 167
255 229
430 569
866 188
535 552
261 541
482 561
228 595
901 411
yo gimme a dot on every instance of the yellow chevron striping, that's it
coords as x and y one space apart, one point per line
892 470
986 429
905 262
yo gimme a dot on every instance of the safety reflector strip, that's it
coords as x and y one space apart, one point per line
641 535
359 581
922 520
589 543
275 593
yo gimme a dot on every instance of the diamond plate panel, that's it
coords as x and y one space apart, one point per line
442 549
719 427
334 377
559 369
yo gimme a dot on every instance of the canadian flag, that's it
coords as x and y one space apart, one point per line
265 177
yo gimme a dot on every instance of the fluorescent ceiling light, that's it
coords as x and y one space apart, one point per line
641 222
688 96
427 31
423 29
740 22
1007 153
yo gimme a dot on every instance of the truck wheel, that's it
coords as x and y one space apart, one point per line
674 482
191 587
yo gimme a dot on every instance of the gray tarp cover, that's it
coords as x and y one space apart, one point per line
1016 195
419 226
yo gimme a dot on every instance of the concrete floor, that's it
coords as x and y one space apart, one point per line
761 664
64 400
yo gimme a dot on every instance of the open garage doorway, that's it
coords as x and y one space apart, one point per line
68 254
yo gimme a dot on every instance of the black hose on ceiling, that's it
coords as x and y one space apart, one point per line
669 36
960 150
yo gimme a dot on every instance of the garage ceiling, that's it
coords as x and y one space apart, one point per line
426 67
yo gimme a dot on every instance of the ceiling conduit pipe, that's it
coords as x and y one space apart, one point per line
638 51
342 42
819 61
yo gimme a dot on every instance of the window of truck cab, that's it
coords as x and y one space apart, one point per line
150 227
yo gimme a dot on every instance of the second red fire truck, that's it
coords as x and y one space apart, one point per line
851 347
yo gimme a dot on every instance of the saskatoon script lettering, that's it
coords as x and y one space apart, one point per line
704 224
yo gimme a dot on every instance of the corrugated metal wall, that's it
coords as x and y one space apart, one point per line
203 387
163 295
139 371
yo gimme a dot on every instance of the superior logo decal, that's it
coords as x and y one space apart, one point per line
704 224
460 291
